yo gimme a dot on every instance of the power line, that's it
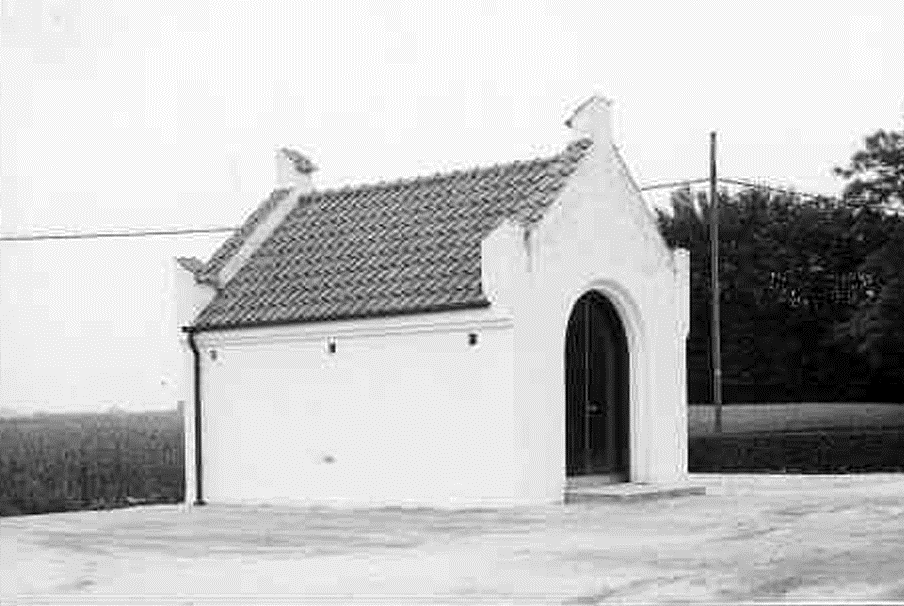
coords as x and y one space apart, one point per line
782 190
140 233
839 200
734 181
158 232
674 184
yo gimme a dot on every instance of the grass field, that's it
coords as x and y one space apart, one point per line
759 418
65 462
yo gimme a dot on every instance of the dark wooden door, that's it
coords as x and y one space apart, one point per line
596 391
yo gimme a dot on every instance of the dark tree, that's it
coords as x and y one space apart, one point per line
790 273
875 182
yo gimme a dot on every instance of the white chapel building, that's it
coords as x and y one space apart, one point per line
480 337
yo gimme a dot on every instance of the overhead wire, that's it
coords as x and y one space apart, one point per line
181 231
131 233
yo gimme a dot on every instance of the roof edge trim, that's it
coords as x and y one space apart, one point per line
340 317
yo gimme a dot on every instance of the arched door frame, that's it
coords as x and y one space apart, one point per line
638 361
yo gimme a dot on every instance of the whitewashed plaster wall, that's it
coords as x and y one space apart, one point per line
190 298
598 235
404 412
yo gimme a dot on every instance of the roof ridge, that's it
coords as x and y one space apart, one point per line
458 172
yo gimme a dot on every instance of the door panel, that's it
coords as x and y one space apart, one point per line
575 386
596 390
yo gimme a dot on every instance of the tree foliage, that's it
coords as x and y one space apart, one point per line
791 273
812 299
875 181
875 174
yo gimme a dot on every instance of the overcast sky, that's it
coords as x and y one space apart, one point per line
166 113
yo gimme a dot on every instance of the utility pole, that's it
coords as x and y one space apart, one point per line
715 329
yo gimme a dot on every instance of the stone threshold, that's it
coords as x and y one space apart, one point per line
630 492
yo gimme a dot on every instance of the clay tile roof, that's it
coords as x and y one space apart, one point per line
398 247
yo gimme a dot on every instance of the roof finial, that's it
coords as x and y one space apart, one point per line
592 118
301 162
293 169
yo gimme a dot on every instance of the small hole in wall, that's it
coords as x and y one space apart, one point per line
329 459
472 339
331 347
213 355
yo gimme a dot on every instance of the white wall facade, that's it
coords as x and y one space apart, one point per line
599 235
191 299
406 412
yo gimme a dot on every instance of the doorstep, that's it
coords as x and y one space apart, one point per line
629 491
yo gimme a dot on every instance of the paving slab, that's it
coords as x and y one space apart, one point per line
772 538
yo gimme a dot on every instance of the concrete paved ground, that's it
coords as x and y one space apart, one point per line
752 537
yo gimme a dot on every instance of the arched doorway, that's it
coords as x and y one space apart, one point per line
596 390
